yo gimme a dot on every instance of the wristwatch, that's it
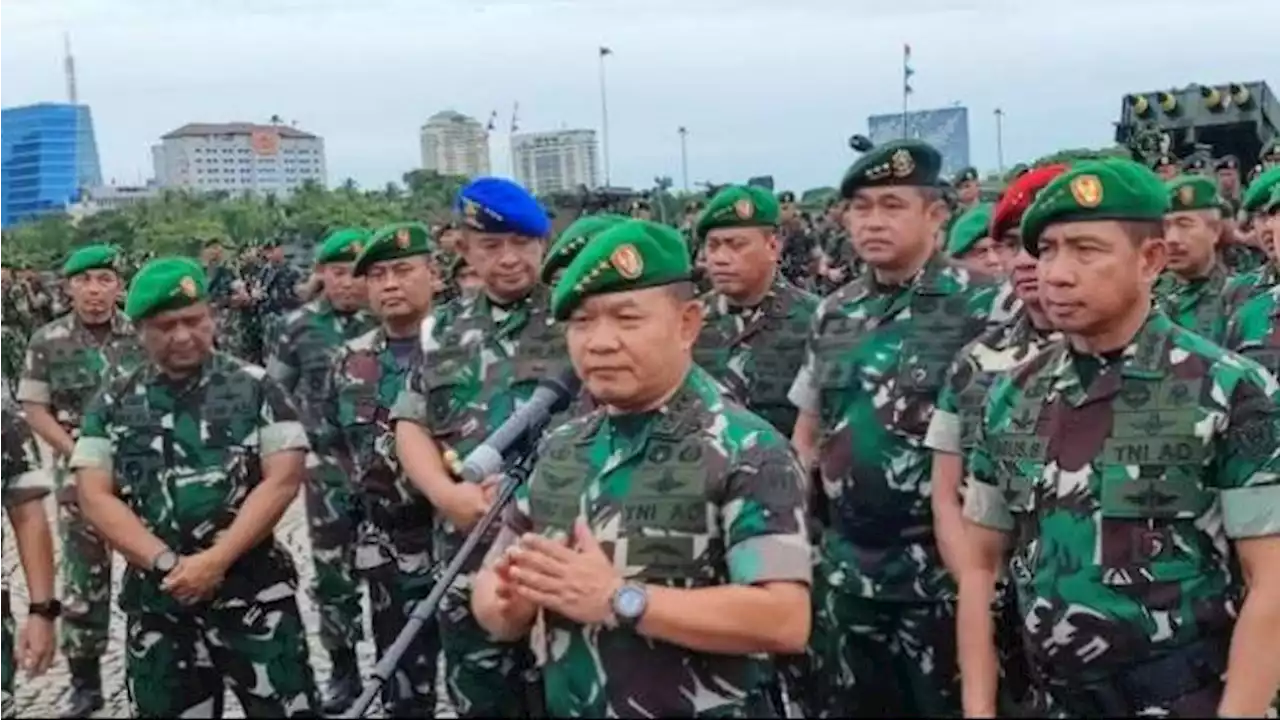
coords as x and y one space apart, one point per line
629 603
165 561
49 609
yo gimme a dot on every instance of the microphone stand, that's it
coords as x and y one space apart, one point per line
512 477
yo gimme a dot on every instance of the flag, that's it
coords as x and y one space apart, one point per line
605 51
515 110
493 121
907 71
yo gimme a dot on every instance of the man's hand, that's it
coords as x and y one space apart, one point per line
467 502
195 578
578 583
515 608
35 645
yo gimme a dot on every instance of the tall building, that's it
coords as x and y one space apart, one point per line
238 157
454 144
47 155
547 162
946 129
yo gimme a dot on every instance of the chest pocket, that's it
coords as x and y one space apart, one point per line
666 517
776 360
445 375
314 357
74 372
142 453
1150 483
972 385
555 493
835 364
1019 450
939 328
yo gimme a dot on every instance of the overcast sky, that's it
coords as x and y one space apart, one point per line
764 86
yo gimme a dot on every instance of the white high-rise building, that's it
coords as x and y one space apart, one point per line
454 144
238 157
559 161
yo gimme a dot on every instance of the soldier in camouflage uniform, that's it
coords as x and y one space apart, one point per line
1191 289
797 244
969 245
226 294
25 485
656 532
275 294
1134 469
477 365
393 552
185 465
883 636
1244 287
1254 331
755 325
968 189
953 428
302 363
66 361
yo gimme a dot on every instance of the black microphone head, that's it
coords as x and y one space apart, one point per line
565 384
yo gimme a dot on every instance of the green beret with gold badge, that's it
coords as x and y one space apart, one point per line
1259 191
968 229
900 162
93 257
342 246
1193 192
392 242
1107 189
632 255
165 284
738 206
573 239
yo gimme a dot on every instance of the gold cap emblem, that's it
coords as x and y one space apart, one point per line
627 261
1087 190
1186 195
403 238
902 163
744 209
355 248
188 287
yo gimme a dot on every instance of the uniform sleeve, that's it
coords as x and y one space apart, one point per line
280 424
984 503
944 433
1248 470
24 478
33 386
804 390
94 447
764 519
411 403
283 364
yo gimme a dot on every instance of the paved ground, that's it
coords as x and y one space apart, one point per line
45 696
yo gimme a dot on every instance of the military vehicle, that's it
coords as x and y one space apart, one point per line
1236 118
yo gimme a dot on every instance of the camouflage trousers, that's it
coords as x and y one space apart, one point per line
411 691
483 678
336 590
875 658
86 580
1201 703
1015 676
180 665
7 667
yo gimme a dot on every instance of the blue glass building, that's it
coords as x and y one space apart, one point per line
47 155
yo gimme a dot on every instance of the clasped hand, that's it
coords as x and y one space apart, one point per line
576 582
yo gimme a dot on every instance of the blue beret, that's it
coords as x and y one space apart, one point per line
495 205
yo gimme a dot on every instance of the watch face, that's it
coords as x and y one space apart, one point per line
631 602
166 562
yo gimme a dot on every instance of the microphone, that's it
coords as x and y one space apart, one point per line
552 395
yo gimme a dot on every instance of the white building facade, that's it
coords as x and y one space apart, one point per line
560 161
238 157
454 144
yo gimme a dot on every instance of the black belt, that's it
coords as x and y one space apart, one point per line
1167 678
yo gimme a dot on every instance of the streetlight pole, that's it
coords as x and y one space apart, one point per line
604 115
684 157
1000 139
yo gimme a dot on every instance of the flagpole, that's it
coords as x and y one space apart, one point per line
684 157
604 116
906 88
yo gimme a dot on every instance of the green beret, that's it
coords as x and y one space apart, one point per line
631 255
1109 189
94 257
786 196
965 175
165 284
342 246
397 240
968 229
901 162
573 239
1193 192
1260 190
738 206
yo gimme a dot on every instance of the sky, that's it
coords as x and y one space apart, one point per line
763 86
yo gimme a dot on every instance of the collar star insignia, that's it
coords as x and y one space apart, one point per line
627 261
902 163
1087 190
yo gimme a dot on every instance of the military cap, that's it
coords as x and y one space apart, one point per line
965 175
573 239
738 206
1259 191
786 196
342 246
631 255
1019 195
1108 189
694 206
496 205
901 162
392 242
640 204
1226 162
1273 203
1163 161
211 241
93 257
1193 192
968 229
1271 151
165 284
1195 164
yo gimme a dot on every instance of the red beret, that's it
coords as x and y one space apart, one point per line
1019 195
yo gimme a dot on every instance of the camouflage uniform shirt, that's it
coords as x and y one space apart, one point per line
1254 331
696 494
1122 496
1198 305
303 357
756 352
184 455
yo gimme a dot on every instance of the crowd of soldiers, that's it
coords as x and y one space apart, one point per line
917 455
